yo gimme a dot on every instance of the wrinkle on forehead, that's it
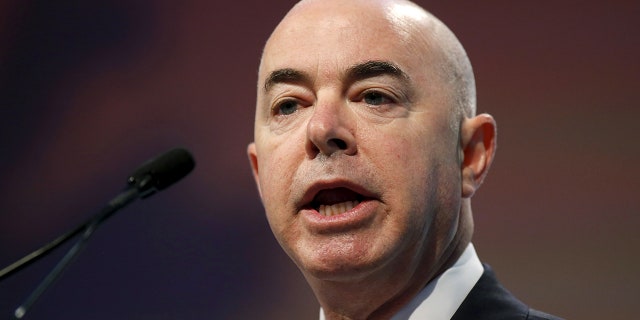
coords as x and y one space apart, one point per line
381 22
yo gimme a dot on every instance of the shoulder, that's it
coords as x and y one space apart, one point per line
489 300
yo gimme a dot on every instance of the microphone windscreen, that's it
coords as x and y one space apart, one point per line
163 171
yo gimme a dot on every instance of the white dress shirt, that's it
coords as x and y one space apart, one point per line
440 299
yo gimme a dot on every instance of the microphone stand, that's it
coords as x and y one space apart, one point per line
153 176
114 205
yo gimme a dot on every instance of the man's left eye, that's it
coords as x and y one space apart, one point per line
376 98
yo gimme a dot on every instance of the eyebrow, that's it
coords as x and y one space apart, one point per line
286 75
361 71
375 68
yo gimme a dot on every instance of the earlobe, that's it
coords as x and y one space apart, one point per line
478 144
253 160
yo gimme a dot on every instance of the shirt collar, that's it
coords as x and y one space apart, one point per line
443 295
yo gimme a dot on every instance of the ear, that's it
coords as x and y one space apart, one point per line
253 159
478 144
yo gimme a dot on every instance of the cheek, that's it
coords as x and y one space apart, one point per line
403 160
274 189
274 176
421 172
278 164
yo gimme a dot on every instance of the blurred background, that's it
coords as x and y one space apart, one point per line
91 89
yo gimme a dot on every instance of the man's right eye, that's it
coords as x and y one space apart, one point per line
287 107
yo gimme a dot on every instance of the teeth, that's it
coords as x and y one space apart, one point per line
338 208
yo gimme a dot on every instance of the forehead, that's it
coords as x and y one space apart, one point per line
326 39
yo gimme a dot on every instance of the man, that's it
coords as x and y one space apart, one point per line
367 152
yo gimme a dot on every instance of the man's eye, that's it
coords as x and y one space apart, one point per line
287 107
376 98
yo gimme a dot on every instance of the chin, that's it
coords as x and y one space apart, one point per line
337 270
337 259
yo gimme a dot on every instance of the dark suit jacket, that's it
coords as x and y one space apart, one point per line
489 300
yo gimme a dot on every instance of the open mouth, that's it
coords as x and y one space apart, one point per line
331 202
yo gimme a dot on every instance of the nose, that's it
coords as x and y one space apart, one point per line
330 130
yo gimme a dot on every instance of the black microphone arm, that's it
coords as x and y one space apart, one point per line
152 176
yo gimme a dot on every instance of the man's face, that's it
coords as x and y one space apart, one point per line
355 156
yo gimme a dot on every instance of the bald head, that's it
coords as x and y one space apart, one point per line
433 43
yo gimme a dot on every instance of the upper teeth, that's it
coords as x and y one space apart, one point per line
338 208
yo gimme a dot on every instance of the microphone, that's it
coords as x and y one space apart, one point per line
161 172
154 175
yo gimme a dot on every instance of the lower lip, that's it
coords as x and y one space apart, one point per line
360 216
